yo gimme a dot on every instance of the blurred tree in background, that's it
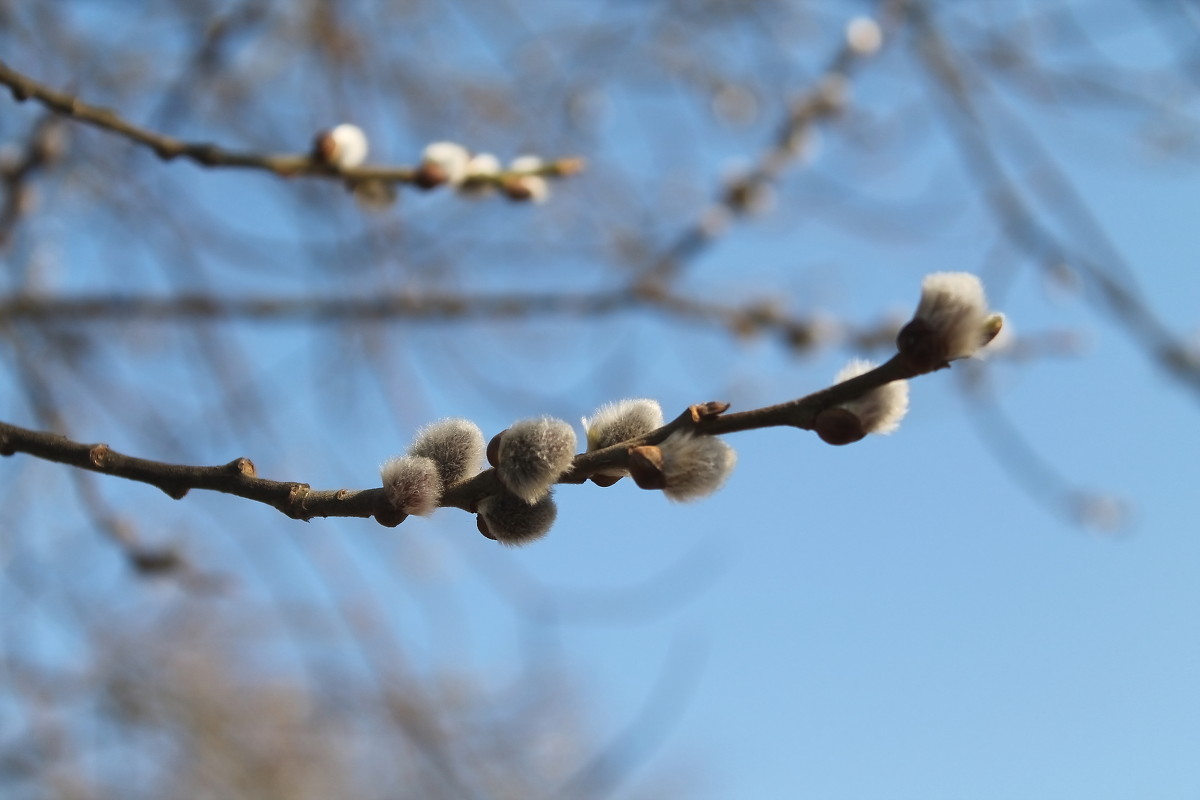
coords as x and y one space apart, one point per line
765 184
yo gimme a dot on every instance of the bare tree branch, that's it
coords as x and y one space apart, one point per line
1020 224
754 317
211 155
300 501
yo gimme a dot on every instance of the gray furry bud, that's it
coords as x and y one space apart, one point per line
511 521
617 422
412 484
951 320
532 454
881 409
455 446
694 465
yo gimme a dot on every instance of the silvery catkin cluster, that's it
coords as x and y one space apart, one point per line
443 454
345 147
532 455
951 321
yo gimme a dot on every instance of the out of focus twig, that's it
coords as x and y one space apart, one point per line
211 155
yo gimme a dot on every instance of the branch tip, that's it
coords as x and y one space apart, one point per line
709 410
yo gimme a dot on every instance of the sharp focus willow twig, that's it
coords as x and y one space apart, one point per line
300 501
211 155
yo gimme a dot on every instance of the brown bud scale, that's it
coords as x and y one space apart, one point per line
429 176
481 524
493 448
920 344
646 467
604 480
838 426
709 410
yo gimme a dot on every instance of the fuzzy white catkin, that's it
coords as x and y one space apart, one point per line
451 157
695 466
412 484
483 165
620 421
512 521
955 308
881 409
532 454
349 146
455 445
864 37
537 186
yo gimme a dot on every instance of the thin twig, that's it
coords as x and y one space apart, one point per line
1021 225
825 99
754 317
300 501
211 155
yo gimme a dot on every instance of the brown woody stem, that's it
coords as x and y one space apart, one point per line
300 501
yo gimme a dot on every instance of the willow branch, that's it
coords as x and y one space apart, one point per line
824 100
1020 224
301 501
207 154
755 317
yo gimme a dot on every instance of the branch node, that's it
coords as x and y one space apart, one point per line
146 561
168 151
207 154
174 491
242 466
297 494
98 455
709 410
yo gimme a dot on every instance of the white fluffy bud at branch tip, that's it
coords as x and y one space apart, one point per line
412 484
532 454
344 146
951 320
881 409
448 157
864 37
527 187
694 466
510 520
454 445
